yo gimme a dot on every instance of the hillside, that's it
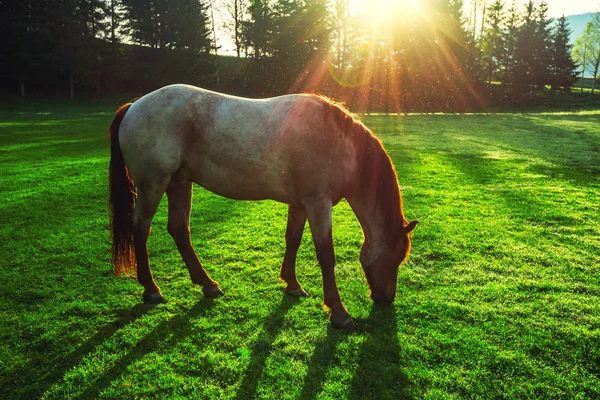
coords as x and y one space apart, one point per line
577 24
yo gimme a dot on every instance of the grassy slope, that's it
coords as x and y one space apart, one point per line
499 297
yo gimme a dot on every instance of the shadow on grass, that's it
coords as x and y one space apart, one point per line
167 333
262 348
568 152
379 374
35 379
320 362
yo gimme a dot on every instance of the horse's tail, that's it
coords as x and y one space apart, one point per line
121 202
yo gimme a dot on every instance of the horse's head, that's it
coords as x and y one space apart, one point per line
381 263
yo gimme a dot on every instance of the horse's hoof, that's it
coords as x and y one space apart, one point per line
345 323
212 291
153 298
298 292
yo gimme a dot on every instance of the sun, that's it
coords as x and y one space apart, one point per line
382 12
384 6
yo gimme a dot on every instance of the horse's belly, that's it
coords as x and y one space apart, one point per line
244 181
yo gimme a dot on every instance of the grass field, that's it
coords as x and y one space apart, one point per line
499 299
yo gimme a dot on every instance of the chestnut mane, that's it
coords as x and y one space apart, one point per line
378 174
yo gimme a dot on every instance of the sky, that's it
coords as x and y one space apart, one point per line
556 8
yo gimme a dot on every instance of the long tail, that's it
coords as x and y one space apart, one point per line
122 201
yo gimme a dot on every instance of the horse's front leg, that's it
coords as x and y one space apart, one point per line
293 237
319 219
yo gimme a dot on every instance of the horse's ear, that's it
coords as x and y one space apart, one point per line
408 228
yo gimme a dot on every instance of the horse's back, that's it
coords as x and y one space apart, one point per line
278 148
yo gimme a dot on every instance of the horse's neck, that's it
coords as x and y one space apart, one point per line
375 198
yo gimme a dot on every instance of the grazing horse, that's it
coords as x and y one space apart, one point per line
302 150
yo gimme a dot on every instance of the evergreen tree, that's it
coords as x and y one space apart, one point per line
563 67
340 24
493 41
141 21
74 25
542 47
510 36
25 46
169 24
300 38
525 56
257 31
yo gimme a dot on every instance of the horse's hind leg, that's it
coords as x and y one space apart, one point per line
180 204
293 237
149 195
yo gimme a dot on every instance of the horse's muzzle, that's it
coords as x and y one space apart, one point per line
382 299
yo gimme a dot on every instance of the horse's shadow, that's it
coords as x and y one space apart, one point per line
169 333
379 374
262 348
38 380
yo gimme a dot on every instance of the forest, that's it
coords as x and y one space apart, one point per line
424 55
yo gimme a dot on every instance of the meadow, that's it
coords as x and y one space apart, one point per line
500 297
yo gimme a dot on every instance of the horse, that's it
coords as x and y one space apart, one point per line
304 150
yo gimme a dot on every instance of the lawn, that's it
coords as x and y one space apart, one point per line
499 299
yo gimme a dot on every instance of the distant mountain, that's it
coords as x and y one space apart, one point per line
577 24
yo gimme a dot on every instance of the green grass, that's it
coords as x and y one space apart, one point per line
499 299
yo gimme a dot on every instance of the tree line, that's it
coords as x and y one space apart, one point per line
402 57
587 50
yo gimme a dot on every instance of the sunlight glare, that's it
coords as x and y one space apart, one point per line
383 12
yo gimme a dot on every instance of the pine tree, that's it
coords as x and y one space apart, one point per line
563 67
141 22
25 46
493 41
300 39
257 31
524 56
509 39
341 19
542 47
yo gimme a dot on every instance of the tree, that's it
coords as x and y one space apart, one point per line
141 21
587 49
23 46
509 39
74 25
524 57
340 19
562 67
300 39
257 30
492 40
542 47
235 11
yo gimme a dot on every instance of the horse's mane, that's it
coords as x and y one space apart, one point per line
377 172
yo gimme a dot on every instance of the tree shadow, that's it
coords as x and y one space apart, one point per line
262 348
379 374
569 152
167 333
35 379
